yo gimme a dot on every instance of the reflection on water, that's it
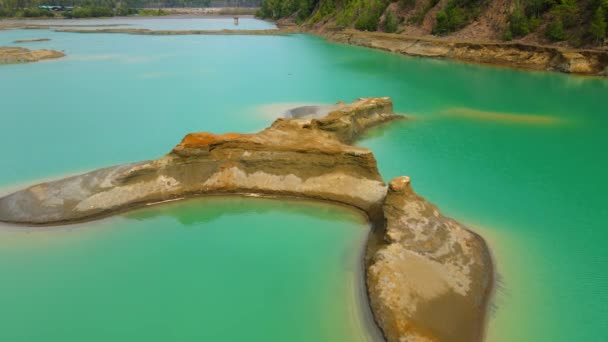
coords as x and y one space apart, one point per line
208 209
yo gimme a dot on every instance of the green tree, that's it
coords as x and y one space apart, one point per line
597 29
390 22
555 30
442 23
568 12
534 8
508 35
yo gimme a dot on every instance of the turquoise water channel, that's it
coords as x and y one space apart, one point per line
520 156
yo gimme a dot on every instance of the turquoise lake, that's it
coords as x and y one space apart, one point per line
519 156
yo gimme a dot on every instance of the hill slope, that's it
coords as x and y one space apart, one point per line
573 23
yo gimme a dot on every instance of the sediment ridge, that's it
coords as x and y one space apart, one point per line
428 277
13 55
20 41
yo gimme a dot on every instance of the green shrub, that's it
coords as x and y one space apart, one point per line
534 23
535 8
149 12
6 13
568 12
442 23
305 10
508 35
390 22
89 12
35 13
449 20
125 11
418 17
456 15
365 14
368 21
555 30
403 4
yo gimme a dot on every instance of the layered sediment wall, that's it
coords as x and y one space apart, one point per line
428 277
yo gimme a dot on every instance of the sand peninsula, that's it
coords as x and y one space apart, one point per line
428 277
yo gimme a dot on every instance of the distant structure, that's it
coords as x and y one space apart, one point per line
56 8
236 21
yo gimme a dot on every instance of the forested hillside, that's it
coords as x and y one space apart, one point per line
576 23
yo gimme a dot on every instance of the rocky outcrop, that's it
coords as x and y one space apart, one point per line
428 277
12 55
524 56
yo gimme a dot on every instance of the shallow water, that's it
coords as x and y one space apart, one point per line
518 155
219 269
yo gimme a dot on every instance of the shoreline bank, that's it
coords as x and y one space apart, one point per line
510 54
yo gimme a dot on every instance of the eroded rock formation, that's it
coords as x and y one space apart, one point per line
12 55
428 277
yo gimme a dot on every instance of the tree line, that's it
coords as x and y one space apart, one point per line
105 8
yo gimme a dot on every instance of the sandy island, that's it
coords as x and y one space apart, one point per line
13 55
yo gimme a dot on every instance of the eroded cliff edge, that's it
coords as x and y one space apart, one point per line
428 277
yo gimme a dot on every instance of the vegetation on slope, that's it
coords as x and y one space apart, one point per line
578 22
457 14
